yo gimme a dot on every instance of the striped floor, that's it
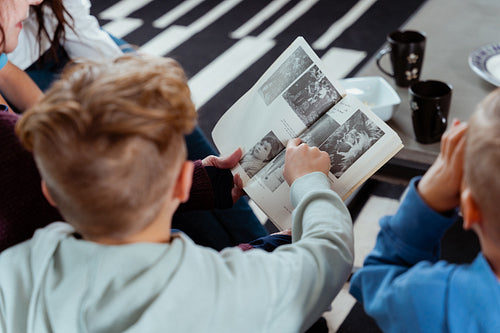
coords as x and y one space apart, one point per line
225 46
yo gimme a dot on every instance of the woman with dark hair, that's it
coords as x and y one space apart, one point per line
15 85
64 29
56 32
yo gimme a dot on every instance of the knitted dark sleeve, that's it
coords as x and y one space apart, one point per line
211 189
23 208
201 196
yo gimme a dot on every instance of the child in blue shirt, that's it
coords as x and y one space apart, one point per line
403 285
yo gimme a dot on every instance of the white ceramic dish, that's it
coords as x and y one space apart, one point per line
375 92
485 62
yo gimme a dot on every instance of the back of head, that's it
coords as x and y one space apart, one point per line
108 139
482 158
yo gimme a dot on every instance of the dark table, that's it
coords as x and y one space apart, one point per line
454 29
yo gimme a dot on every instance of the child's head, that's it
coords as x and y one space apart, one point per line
482 159
265 149
12 14
108 139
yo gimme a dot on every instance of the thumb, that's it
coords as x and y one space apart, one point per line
226 162
237 190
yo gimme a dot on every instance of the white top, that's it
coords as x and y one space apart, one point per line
58 283
90 42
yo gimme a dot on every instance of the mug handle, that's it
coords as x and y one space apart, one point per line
379 56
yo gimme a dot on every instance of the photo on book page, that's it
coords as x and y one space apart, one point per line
297 97
286 73
260 154
319 132
311 95
351 140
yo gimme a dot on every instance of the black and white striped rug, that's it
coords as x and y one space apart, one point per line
226 45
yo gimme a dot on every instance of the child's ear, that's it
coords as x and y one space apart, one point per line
184 182
47 195
470 210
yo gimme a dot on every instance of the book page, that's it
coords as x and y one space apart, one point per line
296 98
358 143
291 95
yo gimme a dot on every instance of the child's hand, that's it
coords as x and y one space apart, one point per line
440 186
286 232
300 159
228 162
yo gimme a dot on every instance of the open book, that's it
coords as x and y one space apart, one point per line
296 98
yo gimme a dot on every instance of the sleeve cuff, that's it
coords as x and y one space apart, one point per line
221 182
311 182
201 196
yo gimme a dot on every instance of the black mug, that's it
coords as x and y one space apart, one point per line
407 55
430 103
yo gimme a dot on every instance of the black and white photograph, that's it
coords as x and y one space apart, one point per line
260 154
311 96
350 141
315 135
272 173
287 72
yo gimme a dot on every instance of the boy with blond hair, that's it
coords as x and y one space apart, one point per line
108 140
402 284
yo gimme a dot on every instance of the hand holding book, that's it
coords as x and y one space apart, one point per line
297 98
300 160
228 162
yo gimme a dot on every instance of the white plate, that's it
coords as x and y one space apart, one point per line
375 92
485 61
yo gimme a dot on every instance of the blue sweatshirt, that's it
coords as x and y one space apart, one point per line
405 287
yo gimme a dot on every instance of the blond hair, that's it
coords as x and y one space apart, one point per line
108 141
482 157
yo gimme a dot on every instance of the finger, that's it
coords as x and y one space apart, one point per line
209 160
455 136
287 232
238 182
293 142
230 161
452 136
237 190
459 153
457 126
236 194
226 162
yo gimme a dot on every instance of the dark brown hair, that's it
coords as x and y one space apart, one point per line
59 11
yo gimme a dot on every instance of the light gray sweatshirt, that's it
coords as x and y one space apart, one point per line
58 283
